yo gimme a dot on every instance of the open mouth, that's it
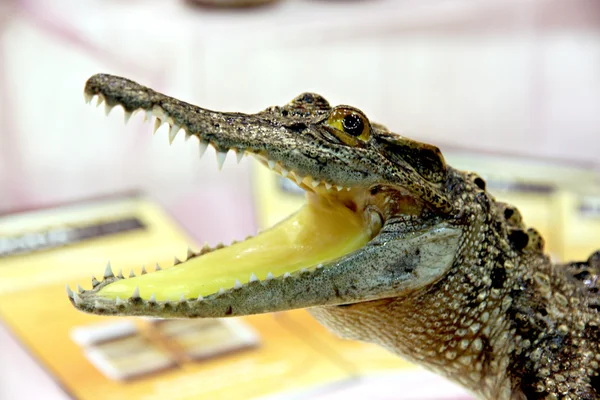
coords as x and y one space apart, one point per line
334 222
317 234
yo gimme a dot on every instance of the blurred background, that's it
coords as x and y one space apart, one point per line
508 88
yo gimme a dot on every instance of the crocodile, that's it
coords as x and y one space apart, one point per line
393 246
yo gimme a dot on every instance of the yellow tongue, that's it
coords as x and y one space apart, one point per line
316 234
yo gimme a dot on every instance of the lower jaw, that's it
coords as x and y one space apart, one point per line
315 236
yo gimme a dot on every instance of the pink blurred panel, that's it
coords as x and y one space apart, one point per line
54 149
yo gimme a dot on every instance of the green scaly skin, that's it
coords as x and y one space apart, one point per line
451 279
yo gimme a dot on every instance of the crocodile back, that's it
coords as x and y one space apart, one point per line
587 274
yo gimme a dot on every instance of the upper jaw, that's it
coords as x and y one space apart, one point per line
301 156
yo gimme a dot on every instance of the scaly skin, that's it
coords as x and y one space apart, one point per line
450 279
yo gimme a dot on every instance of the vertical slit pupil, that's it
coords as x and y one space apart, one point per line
353 124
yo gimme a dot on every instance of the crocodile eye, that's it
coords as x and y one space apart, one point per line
350 124
353 124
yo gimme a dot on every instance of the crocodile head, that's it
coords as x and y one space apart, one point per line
377 223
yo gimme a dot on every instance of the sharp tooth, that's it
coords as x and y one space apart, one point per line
99 100
339 188
271 164
118 301
97 304
152 298
173 132
269 276
94 281
120 274
205 248
303 270
328 185
298 178
319 266
79 288
286 275
348 188
239 155
69 291
221 156
157 267
87 97
284 172
237 284
148 115
107 109
108 273
136 293
200 298
190 253
203 147
221 291
176 261
314 183
182 298
253 278
144 270
157 124
127 116
77 299
131 273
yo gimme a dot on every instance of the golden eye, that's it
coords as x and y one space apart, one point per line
352 123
